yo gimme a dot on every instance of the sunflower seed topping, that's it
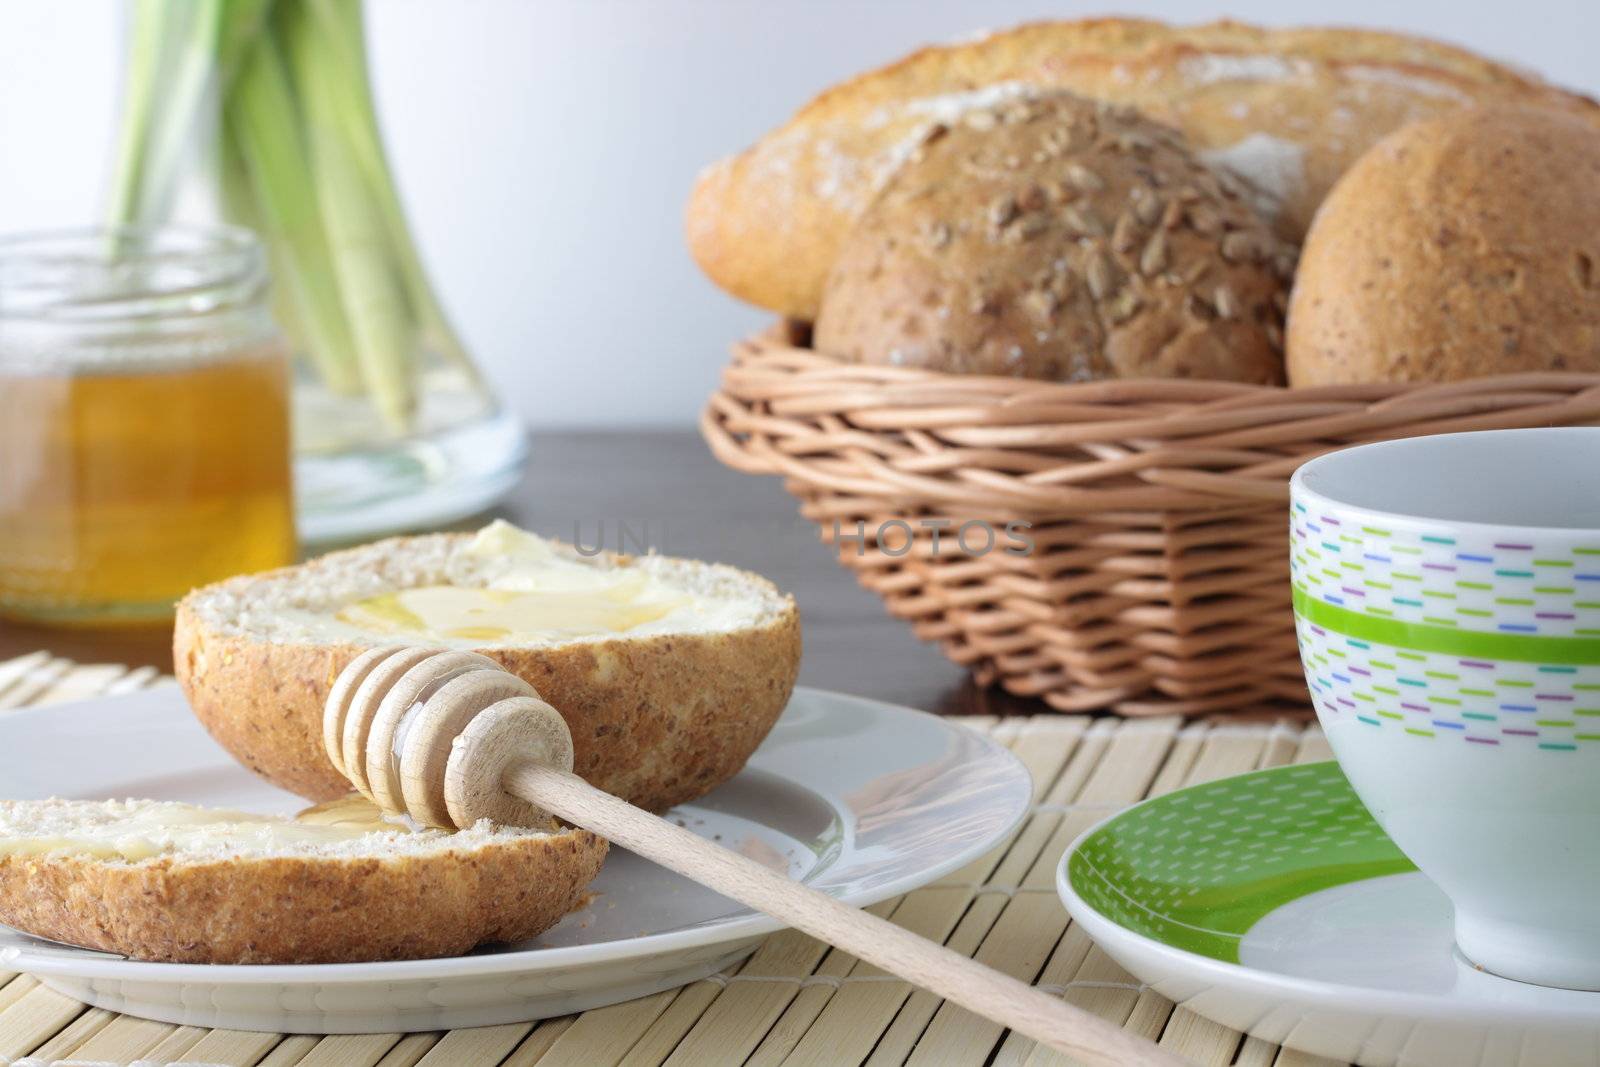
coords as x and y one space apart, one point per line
1240 246
1147 206
1227 304
1084 178
1083 221
1030 227
1153 260
1101 275
1125 236
1040 303
1124 306
1203 220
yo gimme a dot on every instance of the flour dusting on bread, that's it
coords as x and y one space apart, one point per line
1272 169
1408 81
1212 68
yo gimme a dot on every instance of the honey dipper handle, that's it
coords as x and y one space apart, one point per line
972 985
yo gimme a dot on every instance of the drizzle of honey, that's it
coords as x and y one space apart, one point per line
176 827
443 611
354 813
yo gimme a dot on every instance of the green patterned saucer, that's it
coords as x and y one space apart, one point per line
1272 903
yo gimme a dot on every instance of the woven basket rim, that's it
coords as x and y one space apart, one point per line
995 442
778 340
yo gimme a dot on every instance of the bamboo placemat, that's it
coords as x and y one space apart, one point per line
795 1001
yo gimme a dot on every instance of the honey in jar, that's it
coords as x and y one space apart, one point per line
144 422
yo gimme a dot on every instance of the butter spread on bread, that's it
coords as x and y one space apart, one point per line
140 830
533 594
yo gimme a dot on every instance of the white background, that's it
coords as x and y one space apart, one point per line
545 148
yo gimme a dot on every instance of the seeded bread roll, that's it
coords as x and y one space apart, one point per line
1463 246
1287 109
1062 239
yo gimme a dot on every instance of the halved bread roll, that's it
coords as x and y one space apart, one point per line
171 882
669 672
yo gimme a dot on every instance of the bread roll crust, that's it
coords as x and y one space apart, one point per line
1063 239
1290 108
302 909
1460 247
658 720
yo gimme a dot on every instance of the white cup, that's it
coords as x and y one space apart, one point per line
1447 600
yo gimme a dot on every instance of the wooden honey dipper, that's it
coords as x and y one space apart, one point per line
449 738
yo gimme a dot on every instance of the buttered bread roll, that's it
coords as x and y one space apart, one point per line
669 672
1053 237
338 883
1463 246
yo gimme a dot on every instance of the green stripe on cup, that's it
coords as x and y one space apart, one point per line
1521 648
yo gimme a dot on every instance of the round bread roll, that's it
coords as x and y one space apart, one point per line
1457 247
1063 239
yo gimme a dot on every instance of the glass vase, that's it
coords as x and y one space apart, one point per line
260 113
356 478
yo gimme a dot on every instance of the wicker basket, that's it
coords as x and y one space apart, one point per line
1158 582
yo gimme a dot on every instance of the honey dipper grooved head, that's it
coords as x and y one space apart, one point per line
426 702
430 733
356 723
511 732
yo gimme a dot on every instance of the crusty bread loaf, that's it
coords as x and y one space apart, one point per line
388 894
1288 109
1460 247
657 717
1064 239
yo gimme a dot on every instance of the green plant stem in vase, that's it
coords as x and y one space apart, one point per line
270 103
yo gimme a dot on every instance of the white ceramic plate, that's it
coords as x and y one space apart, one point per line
1272 903
860 799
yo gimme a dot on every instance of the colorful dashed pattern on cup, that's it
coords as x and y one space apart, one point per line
1438 633
1430 695
1441 578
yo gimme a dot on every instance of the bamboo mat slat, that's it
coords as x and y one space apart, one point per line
795 1002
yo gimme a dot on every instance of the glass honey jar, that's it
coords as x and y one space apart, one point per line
144 421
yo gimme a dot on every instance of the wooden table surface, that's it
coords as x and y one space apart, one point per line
665 489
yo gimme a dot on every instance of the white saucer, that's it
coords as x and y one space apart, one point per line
861 799
1273 904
